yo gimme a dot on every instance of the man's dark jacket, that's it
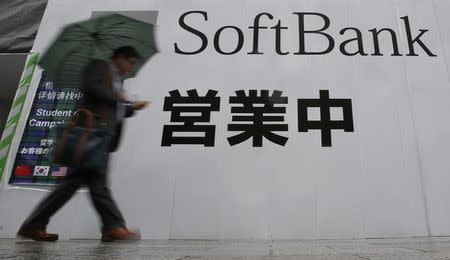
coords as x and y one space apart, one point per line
101 99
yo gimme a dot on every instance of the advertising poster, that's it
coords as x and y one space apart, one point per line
52 107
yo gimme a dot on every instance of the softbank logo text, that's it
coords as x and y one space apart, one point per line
262 22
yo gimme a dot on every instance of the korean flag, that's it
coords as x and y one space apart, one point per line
41 171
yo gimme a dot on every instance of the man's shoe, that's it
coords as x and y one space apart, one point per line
120 233
37 234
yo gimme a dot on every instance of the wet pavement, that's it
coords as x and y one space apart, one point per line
414 248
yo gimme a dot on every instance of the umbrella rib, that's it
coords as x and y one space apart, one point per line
101 23
129 20
112 25
77 26
127 37
62 67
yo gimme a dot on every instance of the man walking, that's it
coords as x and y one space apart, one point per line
105 98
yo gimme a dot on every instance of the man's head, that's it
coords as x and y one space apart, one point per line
125 58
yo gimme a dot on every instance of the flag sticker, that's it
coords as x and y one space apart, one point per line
22 171
41 171
59 171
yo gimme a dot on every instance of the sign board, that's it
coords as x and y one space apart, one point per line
284 119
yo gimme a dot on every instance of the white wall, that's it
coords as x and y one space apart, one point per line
387 179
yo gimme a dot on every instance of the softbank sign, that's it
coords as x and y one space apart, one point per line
267 22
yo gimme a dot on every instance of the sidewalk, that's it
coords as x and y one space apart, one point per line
415 248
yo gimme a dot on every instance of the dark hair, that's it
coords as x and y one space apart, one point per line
126 52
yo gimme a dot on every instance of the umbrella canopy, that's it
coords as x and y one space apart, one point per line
97 38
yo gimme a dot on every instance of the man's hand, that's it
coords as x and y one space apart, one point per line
140 104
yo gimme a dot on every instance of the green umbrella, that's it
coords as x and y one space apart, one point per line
97 38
